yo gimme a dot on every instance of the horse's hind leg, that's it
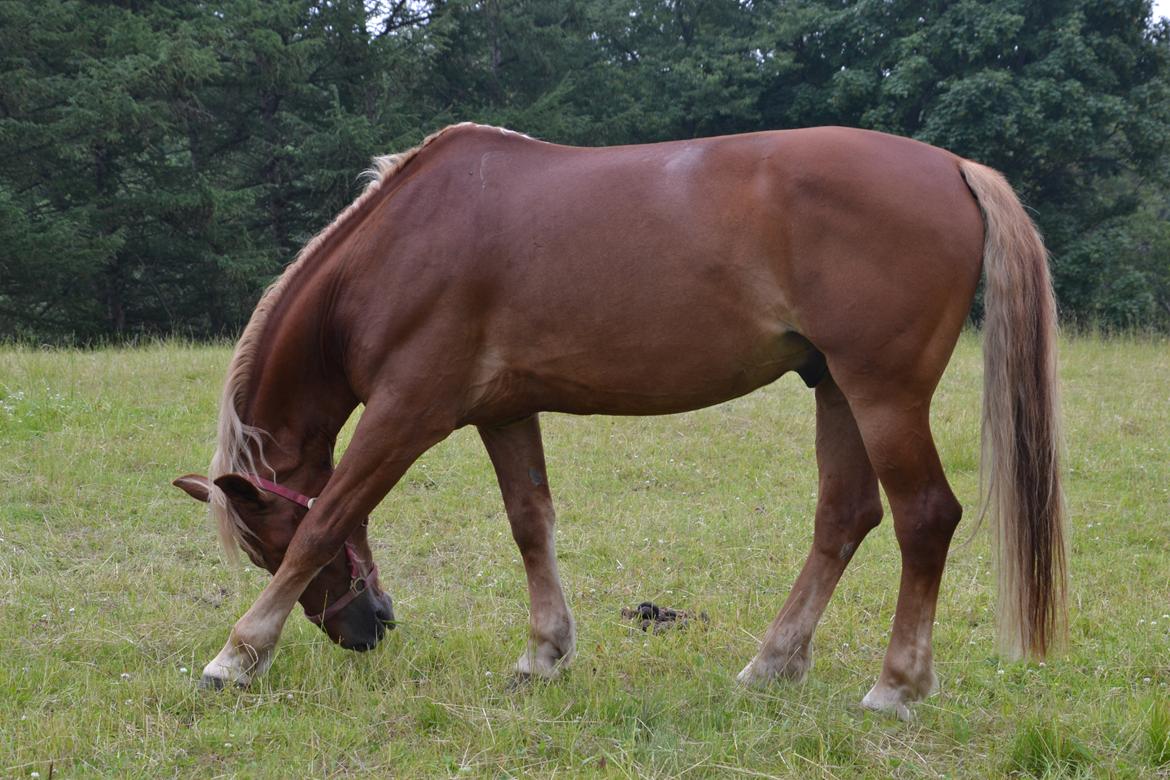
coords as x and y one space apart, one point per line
897 436
518 457
848 507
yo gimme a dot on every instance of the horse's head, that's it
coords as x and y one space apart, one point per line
345 598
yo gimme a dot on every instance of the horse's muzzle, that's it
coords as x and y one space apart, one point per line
363 623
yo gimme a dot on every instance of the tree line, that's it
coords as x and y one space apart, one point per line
162 160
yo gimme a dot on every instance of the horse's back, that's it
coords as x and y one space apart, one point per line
644 279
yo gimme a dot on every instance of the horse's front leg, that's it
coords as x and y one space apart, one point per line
518 456
388 439
252 641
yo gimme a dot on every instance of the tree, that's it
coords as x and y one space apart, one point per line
164 159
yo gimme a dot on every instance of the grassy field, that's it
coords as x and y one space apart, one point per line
113 595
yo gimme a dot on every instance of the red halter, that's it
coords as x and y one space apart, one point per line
280 490
359 580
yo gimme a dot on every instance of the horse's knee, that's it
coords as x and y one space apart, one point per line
944 511
928 523
842 524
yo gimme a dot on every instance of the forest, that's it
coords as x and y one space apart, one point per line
162 161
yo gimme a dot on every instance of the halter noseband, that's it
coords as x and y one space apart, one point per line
359 580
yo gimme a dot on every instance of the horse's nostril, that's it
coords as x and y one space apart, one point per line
384 611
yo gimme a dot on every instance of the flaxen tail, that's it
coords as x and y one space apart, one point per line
1021 421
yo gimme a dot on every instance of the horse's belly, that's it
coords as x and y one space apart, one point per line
656 373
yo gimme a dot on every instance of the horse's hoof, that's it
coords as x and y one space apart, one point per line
887 703
748 677
542 666
209 682
793 669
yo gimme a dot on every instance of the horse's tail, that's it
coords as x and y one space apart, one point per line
1021 421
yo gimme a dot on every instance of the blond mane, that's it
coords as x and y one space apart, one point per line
239 446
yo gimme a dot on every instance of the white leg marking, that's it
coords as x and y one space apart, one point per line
252 642
551 647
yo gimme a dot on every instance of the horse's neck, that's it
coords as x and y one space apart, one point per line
300 397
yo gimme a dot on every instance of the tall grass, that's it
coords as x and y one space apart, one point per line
113 596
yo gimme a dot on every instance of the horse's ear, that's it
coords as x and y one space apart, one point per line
195 486
239 489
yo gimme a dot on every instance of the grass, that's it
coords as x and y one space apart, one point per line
113 596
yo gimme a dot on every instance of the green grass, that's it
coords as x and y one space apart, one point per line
113 596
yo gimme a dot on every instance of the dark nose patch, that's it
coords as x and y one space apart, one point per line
364 621
385 611
366 643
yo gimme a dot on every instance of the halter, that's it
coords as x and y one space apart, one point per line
359 580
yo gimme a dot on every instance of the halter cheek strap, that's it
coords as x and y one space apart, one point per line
360 577
269 486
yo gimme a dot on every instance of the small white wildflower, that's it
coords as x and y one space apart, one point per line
487 674
72 610
1146 680
227 744
34 774
182 670
125 675
288 696
999 671
1042 664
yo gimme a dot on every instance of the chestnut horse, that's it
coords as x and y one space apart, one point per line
484 277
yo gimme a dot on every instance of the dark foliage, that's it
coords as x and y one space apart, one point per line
162 160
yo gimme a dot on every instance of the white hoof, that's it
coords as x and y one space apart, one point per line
235 665
545 661
888 701
750 677
792 666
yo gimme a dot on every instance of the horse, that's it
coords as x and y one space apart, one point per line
484 277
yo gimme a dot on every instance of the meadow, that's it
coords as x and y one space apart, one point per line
113 595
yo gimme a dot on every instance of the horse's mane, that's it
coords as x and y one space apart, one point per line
238 445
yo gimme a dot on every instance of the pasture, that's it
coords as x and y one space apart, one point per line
113 595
